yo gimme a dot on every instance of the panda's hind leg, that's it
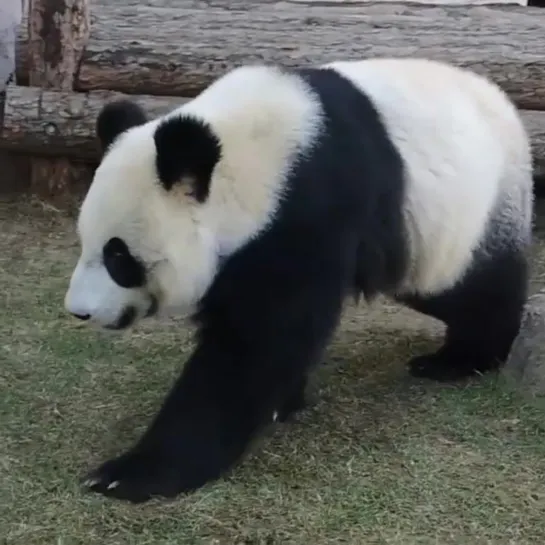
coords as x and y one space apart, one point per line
482 314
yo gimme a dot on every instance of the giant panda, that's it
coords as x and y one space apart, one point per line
265 202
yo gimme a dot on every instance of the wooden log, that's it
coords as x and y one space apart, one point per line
59 123
58 32
182 48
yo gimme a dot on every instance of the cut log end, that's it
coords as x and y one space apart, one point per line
54 179
524 369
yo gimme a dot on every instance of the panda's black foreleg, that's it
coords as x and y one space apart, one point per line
206 424
250 363
211 415
482 314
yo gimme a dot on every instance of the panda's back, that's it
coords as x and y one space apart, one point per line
465 160
412 167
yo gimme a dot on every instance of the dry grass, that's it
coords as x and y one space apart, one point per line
379 459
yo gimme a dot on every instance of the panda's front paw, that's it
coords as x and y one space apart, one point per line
138 476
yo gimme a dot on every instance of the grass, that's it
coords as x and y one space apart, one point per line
379 458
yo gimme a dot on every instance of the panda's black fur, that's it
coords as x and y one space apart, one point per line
272 307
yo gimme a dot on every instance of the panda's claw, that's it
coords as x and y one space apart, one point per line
127 489
90 482
113 484
138 476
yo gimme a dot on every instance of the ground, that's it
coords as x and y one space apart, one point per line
379 458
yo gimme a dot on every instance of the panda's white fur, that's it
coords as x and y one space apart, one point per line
467 156
265 201
464 144
270 116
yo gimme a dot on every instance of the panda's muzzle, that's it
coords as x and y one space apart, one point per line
130 314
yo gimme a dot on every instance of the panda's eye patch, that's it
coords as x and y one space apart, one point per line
124 269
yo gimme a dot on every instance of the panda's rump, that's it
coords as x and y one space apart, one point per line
468 191
453 183
466 161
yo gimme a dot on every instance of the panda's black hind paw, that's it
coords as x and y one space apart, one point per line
434 368
449 365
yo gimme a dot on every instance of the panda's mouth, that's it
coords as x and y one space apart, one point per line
130 314
126 319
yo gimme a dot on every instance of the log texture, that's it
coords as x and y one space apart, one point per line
58 31
525 366
180 49
57 123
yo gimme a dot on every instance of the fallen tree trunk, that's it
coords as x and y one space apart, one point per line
58 123
180 49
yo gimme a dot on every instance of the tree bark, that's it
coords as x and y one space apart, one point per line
182 48
57 33
59 123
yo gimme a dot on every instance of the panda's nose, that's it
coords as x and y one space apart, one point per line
82 316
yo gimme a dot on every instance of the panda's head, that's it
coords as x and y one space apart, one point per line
145 204
174 195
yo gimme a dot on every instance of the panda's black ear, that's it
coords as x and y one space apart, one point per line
187 152
115 118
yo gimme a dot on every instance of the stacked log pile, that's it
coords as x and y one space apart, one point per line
166 51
